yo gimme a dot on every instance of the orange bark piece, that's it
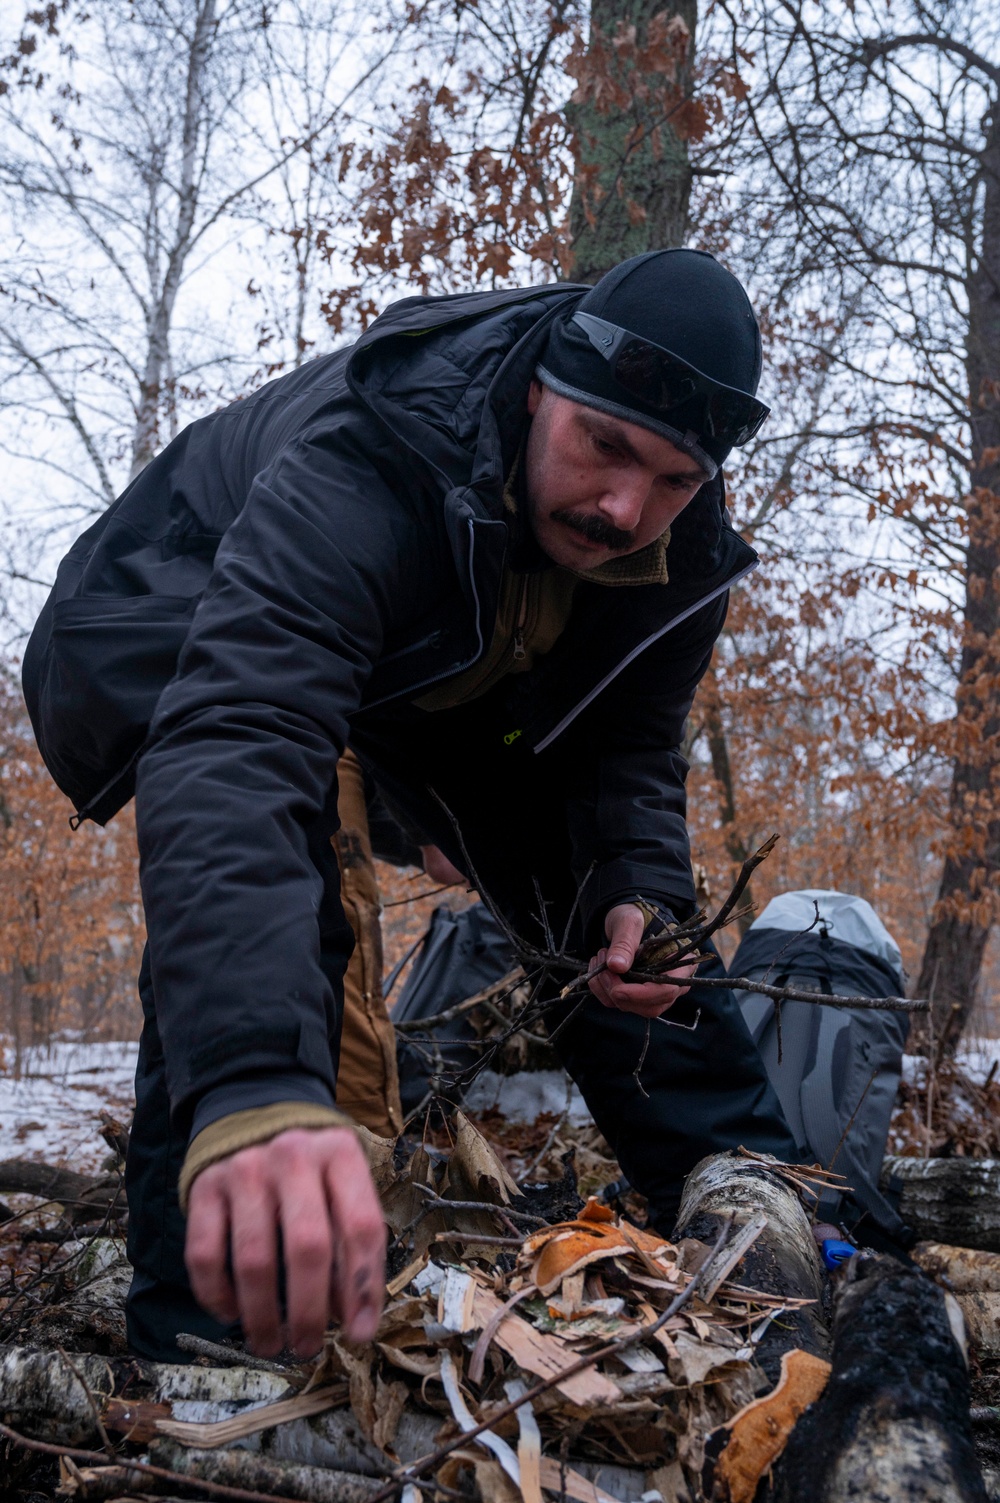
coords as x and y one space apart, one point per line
759 1433
571 1245
580 1246
594 1210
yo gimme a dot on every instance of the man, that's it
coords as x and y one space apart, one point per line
488 546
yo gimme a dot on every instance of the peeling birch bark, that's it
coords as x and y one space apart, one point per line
965 1270
783 1260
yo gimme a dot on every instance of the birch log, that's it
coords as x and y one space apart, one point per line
263 1474
783 1260
948 1200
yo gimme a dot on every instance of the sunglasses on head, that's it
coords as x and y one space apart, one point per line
664 382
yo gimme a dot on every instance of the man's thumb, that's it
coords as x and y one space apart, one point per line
624 926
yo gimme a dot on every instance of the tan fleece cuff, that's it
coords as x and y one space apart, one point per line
243 1129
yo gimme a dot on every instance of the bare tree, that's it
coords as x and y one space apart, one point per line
149 150
878 155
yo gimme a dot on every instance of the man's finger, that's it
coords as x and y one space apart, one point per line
360 1231
624 926
254 1244
307 1240
206 1250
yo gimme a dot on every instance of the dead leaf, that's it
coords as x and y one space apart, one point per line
390 1401
475 1171
759 1433
379 1153
697 1357
357 1363
494 1484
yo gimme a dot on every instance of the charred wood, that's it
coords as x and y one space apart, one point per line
893 1422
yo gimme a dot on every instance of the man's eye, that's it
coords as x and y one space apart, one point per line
604 446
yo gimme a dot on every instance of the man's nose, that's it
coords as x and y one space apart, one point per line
623 506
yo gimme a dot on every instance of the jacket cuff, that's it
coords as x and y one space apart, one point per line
671 906
239 1130
258 1088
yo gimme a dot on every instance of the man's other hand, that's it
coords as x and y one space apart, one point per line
313 1185
624 928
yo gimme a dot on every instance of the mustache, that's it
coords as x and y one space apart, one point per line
596 529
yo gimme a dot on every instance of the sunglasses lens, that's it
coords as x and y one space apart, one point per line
653 376
734 415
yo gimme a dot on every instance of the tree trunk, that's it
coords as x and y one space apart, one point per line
718 747
633 177
963 914
154 389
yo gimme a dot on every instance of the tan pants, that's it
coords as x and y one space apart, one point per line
367 1082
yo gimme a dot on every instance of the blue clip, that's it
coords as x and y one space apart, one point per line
836 1252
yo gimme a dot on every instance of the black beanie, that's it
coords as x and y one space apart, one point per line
682 300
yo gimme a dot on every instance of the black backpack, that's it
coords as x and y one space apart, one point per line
461 953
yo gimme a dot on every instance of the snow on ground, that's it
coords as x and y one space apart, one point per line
525 1096
976 1056
52 1111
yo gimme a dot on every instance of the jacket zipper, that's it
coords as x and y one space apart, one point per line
636 651
522 616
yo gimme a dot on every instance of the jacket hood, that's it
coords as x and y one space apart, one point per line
449 376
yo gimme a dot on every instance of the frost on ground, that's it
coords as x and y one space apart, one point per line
51 1110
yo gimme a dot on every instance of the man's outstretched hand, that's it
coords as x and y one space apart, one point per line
624 928
314 1186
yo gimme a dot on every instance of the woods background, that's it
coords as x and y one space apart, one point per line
196 195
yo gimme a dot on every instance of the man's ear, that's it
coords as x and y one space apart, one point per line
535 391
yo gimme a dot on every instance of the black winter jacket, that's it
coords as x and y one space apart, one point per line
342 536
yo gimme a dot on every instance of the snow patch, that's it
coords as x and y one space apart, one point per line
51 1112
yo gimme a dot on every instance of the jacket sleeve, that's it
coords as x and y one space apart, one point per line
628 812
236 792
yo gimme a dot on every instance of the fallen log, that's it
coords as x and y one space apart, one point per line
81 1194
964 1270
955 1201
783 1260
893 1420
263 1474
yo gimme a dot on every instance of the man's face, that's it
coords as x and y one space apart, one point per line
598 487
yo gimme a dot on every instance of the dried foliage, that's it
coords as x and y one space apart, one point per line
563 1342
70 910
942 1113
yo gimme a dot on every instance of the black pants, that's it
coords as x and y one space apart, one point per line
702 1091
160 1303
